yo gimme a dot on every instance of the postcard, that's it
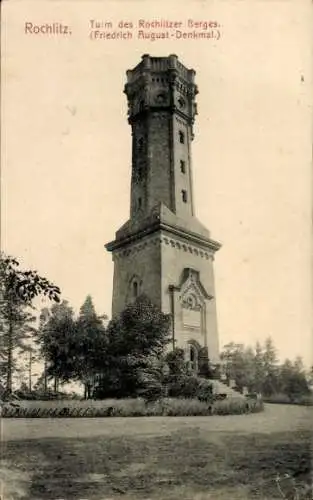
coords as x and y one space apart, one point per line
156 249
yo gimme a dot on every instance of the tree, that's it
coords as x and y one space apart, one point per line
269 356
24 285
239 364
141 329
293 379
298 365
176 362
259 368
271 382
58 343
40 339
135 344
17 331
18 288
91 345
309 376
31 358
73 349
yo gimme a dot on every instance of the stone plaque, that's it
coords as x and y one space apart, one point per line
191 318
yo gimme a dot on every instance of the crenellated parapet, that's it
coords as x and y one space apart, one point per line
161 83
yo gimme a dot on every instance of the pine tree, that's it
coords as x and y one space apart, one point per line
18 288
259 368
91 345
271 382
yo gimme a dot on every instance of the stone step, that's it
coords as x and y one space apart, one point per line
221 388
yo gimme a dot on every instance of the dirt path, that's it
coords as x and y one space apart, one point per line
275 418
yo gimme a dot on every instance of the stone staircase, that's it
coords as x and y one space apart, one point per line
221 388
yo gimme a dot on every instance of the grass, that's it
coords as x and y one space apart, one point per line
305 400
186 461
159 467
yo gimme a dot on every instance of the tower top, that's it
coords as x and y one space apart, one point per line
169 64
159 83
161 96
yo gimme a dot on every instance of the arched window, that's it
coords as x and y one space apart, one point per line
181 137
134 289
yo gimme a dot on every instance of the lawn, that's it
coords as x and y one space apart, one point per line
196 458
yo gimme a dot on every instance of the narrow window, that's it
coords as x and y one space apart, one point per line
135 289
181 137
139 170
184 195
182 166
139 203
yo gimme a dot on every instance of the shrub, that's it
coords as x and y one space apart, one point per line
150 384
219 397
205 391
189 386
182 386
231 406
185 407
252 395
128 408
237 406
176 362
256 405
214 371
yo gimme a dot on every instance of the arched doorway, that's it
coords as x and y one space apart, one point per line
193 355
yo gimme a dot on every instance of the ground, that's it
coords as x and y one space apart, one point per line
190 458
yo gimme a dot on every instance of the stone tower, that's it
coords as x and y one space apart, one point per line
163 250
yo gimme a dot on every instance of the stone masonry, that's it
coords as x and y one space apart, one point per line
163 250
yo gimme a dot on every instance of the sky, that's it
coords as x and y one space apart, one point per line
66 152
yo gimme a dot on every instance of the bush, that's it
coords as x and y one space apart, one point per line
127 408
175 361
182 386
256 405
238 406
185 408
205 391
252 395
189 386
150 385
